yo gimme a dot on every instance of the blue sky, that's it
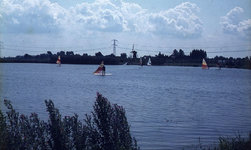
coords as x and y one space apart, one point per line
221 28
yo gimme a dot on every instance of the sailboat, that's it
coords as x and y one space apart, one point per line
218 65
59 61
204 64
149 63
100 70
141 61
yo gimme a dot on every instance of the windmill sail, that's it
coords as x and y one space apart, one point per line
204 64
59 61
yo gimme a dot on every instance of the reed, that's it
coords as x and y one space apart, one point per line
226 143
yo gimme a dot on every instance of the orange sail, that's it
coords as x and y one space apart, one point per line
100 68
204 64
59 61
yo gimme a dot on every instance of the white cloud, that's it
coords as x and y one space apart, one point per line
136 17
15 21
39 16
100 15
234 24
179 21
42 16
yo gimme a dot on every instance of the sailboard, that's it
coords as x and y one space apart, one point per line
100 74
149 63
58 61
204 64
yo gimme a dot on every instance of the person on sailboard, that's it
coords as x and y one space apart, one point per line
218 65
103 70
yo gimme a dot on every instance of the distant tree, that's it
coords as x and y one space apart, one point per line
175 53
216 58
160 55
181 53
27 56
69 53
198 54
61 53
49 53
123 55
111 55
222 58
159 59
98 54
85 54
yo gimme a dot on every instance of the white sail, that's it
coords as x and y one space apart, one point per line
149 63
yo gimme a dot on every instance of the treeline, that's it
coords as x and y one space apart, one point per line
177 58
66 58
105 129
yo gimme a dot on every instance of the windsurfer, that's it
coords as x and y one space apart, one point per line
103 70
218 65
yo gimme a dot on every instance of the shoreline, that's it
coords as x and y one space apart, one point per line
211 65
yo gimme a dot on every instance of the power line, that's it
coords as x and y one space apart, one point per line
91 49
192 47
143 48
230 51
51 47
114 45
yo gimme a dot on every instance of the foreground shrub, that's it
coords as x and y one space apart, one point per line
107 130
227 143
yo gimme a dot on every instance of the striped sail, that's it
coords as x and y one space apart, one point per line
204 64
59 61
100 68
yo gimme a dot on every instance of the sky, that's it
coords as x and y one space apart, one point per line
221 28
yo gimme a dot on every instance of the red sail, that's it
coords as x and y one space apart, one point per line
100 68
59 61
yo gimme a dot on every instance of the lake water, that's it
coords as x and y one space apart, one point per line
167 107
